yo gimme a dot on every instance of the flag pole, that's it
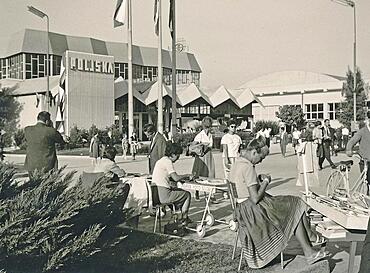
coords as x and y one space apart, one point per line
130 93
174 106
160 72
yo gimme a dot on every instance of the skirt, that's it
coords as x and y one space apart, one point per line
204 166
266 228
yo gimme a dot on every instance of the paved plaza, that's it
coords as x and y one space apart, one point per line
284 176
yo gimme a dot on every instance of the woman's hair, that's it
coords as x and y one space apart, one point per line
149 128
207 122
231 122
110 153
173 149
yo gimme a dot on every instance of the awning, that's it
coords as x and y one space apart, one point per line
32 86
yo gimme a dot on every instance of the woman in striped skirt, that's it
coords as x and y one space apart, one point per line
266 223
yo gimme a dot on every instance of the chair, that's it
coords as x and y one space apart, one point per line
233 199
154 204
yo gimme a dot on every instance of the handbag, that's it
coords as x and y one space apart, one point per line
195 149
174 227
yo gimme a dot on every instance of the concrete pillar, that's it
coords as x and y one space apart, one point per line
120 121
140 126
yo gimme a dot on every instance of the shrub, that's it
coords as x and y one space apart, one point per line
184 139
77 137
20 139
260 124
50 225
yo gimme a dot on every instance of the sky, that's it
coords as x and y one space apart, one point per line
234 41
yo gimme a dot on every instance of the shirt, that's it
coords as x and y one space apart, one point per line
362 137
243 174
106 165
233 143
202 137
296 134
345 131
162 171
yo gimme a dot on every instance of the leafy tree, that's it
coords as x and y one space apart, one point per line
346 108
10 109
291 115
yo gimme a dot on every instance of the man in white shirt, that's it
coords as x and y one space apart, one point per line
230 146
345 135
266 134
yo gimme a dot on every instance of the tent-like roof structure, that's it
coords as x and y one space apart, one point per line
32 86
34 41
147 93
293 81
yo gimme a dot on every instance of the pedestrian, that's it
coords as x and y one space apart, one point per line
230 147
338 133
267 135
333 143
327 138
204 164
94 149
157 147
307 161
345 134
296 135
41 139
125 146
283 141
363 137
133 145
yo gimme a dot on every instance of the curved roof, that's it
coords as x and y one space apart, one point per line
290 81
34 41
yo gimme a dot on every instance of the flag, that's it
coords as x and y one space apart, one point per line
156 17
120 13
170 18
59 120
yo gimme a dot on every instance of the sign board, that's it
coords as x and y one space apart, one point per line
89 90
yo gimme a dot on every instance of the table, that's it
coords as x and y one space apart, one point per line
354 228
209 186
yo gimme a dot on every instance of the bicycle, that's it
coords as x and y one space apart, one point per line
338 185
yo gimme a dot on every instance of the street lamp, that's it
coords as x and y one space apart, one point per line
352 4
43 15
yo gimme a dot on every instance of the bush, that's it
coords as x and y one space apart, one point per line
274 125
184 139
20 139
77 137
51 226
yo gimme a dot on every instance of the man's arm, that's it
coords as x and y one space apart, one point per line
352 142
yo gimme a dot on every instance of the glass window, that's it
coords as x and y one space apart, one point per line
314 111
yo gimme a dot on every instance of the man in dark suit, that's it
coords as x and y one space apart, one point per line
41 139
327 139
157 145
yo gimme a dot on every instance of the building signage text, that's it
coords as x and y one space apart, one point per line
91 65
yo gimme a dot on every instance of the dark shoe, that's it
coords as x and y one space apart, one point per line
214 200
333 166
186 221
320 168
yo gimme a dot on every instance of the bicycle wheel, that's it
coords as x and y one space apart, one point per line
336 182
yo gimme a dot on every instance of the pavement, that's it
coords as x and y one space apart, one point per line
284 177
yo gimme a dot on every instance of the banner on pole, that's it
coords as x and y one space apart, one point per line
156 17
120 13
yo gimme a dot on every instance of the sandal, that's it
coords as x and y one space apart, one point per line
317 257
319 241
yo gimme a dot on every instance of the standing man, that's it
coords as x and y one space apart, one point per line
41 139
283 141
267 135
157 145
327 139
345 135
230 147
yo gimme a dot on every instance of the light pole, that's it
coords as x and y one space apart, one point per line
352 4
42 15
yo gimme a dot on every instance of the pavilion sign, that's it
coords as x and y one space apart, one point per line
95 66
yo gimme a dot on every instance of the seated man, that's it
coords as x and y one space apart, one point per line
108 166
167 192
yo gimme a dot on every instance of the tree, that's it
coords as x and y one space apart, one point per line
291 115
10 109
346 108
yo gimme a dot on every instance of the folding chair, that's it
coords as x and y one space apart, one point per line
233 198
154 204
